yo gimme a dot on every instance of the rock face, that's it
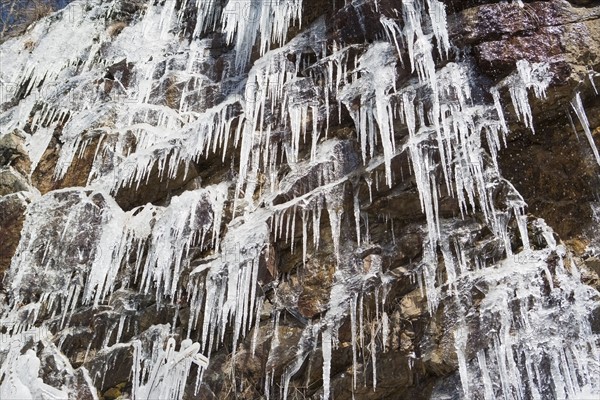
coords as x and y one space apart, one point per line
376 199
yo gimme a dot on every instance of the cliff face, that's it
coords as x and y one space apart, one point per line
301 199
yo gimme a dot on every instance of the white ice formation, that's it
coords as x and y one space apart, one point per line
270 108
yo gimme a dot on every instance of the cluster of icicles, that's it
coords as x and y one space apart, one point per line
435 107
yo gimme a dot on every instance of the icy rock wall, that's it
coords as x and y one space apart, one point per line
293 199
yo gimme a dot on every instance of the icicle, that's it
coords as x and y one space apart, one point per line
357 216
385 330
326 346
437 14
580 112
304 235
335 215
498 105
317 224
271 19
167 372
259 306
460 338
591 75
373 348
528 76
379 66
522 224
354 339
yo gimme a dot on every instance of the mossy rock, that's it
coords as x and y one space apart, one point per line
112 393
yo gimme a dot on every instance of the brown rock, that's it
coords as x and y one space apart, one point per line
76 175
413 305
12 215
11 181
156 189
317 280
13 152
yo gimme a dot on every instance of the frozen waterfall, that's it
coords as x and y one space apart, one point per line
249 88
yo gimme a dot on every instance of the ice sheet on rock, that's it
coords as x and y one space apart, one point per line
443 99
21 366
78 132
16 118
71 217
147 43
21 381
455 125
373 91
162 372
266 88
522 350
184 223
246 21
169 148
166 234
224 289
351 280
37 145
457 140
310 181
455 245
528 76
446 131
98 238
53 53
